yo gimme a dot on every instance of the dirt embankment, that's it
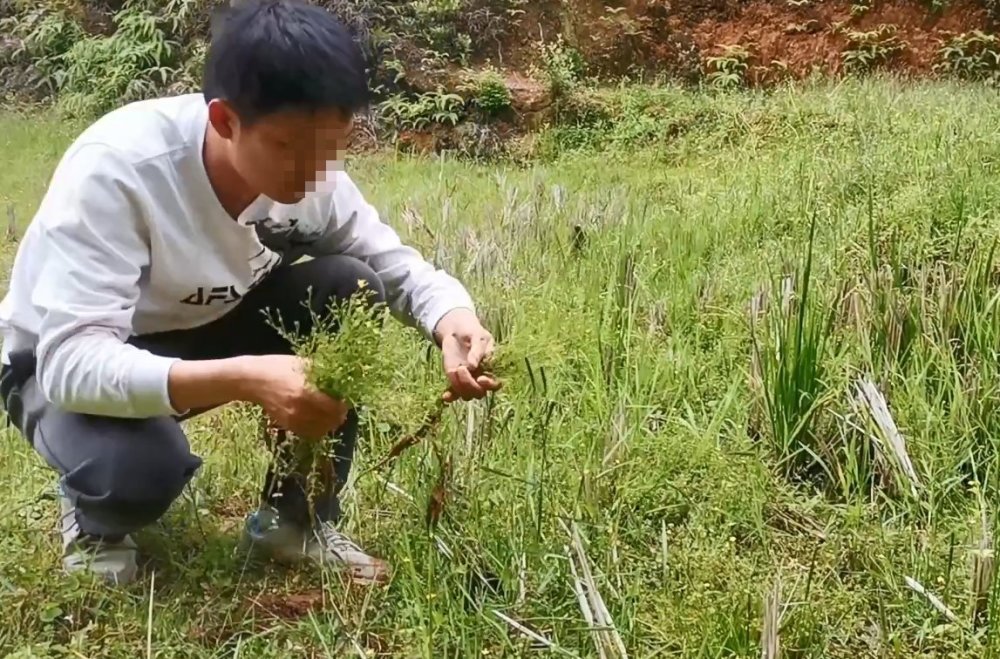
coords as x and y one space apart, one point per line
645 39
675 39
803 35
814 36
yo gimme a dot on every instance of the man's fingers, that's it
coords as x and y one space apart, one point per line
462 385
484 385
488 383
464 382
481 348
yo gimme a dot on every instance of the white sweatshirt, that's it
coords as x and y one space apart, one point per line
131 239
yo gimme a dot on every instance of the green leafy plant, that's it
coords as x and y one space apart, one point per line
867 50
792 352
359 355
349 357
188 76
436 22
729 69
971 56
421 111
99 72
354 356
860 8
489 92
93 73
42 36
562 66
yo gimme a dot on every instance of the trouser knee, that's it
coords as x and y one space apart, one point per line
130 485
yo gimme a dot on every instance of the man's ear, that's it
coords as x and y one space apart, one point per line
222 117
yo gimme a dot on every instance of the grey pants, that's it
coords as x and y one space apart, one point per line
123 474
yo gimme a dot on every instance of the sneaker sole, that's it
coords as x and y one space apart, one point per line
285 557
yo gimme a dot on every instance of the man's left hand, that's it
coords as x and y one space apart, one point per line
465 347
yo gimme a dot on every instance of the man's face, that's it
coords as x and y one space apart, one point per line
285 155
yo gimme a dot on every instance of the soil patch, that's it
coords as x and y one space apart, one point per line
808 38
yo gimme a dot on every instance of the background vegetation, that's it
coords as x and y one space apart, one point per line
758 384
474 76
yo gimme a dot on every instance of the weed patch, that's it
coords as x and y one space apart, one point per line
660 469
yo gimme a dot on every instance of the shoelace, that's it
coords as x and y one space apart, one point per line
338 542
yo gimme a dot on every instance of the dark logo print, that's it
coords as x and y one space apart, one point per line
283 242
204 297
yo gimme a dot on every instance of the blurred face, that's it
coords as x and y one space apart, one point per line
283 155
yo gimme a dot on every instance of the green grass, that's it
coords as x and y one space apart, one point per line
704 453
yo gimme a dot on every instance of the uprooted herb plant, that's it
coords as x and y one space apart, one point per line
358 355
353 358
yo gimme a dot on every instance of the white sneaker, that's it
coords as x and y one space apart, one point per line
324 546
114 560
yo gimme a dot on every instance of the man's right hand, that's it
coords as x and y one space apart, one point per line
278 383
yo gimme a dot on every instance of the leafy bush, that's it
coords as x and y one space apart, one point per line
98 73
971 56
94 73
630 118
490 92
160 45
860 8
43 36
436 21
867 50
424 33
420 111
585 107
729 69
562 66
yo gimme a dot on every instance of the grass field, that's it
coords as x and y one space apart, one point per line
684 430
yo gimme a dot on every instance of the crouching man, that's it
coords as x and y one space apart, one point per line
172 232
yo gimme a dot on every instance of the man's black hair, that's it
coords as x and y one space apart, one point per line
273 55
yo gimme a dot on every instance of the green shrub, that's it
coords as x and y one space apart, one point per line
92 74
729 69
585 107
44 35
562 66
436 23
420 111
98 72
860 8
971 56
870 49
490 93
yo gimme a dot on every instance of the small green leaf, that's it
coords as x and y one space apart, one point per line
50 613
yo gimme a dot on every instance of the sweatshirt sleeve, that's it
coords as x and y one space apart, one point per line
96 246
417 292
